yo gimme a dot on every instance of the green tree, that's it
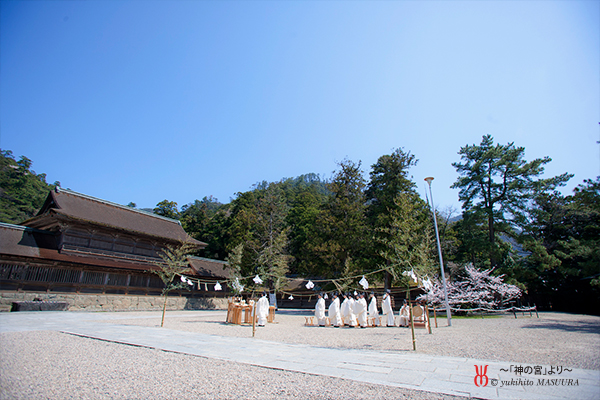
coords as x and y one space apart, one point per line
234 264
271 235
194 217
258 221
304 233
342 223
240 227
167 209
407 240
563 241
473 244
22 191
389 178
215 234
273 261
205 220
174 263
497 184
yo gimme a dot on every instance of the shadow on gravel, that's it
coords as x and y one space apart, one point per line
295 311
581 327
204 322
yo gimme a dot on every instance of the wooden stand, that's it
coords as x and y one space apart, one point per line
271 316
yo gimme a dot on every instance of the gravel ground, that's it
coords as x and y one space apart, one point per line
569 340
52 365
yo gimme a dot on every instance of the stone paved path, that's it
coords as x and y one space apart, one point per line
416 371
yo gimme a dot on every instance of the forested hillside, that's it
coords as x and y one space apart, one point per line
22 191
351 225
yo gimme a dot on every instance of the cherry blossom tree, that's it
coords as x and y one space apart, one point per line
478 290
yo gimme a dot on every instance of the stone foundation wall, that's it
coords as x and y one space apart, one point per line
115 302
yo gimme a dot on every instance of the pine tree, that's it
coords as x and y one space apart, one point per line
497 184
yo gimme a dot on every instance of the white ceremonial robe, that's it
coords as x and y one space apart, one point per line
373 312
320 312
360 309
344 310
387 310
404 315
351 315
262 310
335 315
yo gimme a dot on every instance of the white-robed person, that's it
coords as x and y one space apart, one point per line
387 308
404 314
360 309
320 310
335 315
373 311
344 310
262 309
351 312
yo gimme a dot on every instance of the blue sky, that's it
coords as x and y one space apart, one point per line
140 101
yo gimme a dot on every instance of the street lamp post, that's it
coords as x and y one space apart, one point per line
437 236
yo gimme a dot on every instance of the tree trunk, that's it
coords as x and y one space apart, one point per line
388 279
492 236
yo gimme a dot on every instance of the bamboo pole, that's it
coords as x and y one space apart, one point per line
254 319
427 318
412 326
164 309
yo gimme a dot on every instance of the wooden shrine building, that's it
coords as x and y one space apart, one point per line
78 244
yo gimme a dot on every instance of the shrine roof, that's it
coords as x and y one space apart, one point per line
64 204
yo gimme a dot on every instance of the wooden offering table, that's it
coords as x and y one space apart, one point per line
248 313
235 310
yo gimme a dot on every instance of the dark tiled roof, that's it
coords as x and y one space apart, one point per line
209 268
76 206
22 241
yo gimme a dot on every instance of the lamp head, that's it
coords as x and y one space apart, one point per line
429 179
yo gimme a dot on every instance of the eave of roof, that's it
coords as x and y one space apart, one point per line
90 210
209 267
111 204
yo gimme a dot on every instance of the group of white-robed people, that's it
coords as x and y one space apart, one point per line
354 311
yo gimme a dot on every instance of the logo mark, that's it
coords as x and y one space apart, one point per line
481 373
